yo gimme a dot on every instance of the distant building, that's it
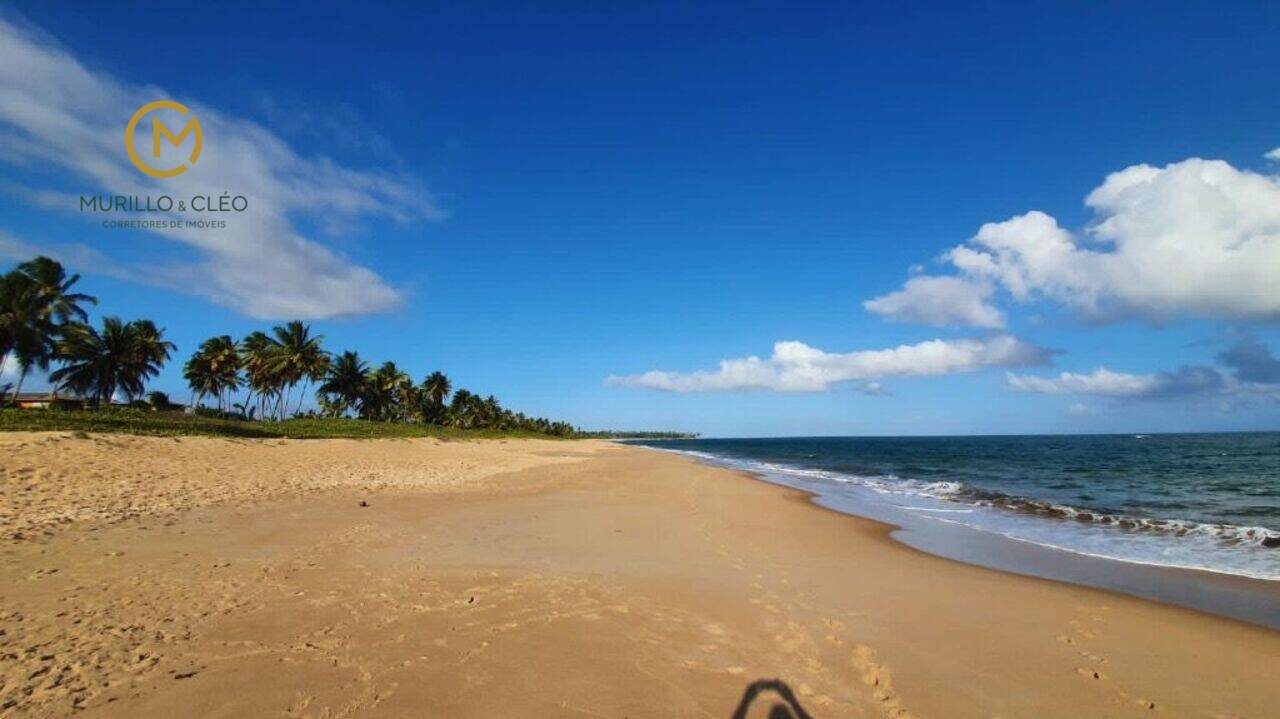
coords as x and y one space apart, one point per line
43 400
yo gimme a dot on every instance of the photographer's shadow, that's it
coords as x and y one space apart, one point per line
784 702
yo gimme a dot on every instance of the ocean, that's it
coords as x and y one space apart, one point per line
1208 502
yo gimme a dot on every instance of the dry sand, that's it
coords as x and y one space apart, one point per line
209 577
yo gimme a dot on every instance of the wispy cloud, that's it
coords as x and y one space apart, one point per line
797 367
1194 238
56 113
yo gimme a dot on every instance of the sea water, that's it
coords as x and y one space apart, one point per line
1207 502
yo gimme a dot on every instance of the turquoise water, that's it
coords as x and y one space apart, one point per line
1208 501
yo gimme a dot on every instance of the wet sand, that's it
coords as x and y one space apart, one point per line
206 577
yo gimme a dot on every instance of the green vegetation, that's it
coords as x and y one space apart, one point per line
271 366
123 356
37 308
619 434
129 420
42 323
252 382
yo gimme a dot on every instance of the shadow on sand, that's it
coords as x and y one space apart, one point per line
785 705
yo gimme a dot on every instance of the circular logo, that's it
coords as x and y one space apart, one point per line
158 131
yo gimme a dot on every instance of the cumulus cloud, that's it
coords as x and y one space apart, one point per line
1274 155
1196 238
58 114
941 302
797 367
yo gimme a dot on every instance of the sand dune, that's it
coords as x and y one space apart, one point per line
204 577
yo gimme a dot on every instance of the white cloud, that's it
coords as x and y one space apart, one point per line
1248 371
72 254
1102 382
1273 155
941 302
1196 238
797 367
57 114
1183 382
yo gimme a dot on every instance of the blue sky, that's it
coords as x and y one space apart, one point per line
560 196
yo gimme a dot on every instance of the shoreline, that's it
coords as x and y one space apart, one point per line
563 578
1224 594
1216 594
1105 496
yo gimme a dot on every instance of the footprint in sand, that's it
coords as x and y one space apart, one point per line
877 676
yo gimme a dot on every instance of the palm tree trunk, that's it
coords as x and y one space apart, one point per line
301 396
22 376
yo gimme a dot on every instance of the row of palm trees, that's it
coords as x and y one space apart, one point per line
268 367
44 322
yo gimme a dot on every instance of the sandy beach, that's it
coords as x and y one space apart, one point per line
148 576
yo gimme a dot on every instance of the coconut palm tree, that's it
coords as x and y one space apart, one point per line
408 402
462 409
55 287
315 372
384 392
295 355
151 351
435 390
254 351
345 384
159 401
35 303
214 370
26 334
198 372
123 356
22 319
476 411
404 395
